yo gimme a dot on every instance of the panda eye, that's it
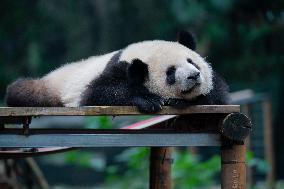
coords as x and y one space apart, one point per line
192 63
171 70
189 60
171 75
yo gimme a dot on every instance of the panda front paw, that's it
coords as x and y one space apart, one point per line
178 103
148 103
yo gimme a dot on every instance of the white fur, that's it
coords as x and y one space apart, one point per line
71 80
159 55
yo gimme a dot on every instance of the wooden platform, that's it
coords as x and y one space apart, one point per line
112 110
206 125
206 133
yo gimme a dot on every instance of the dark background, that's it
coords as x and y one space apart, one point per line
242 39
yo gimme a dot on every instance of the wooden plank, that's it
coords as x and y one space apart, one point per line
112 110
108 140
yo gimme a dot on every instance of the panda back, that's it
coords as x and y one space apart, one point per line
71 80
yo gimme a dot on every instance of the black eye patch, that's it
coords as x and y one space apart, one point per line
191 62
171 72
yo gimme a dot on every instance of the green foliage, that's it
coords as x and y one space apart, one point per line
188 170
254 162
236 36
280 184
82 159
135 174
132 168
100 122
106 122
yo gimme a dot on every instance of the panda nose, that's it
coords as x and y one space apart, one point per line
195 76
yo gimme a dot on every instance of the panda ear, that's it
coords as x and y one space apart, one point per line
187 39
137 72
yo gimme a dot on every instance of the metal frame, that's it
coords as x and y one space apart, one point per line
108 140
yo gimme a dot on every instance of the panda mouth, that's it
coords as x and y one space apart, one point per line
187 91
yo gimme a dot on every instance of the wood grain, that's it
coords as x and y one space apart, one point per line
112 110
160 168
236 127
233 170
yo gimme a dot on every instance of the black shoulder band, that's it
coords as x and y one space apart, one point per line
115 57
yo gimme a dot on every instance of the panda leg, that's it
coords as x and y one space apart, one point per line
119 94
148 103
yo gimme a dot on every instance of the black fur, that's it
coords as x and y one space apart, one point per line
30 93
185 38
192 63
138 72
121 83
171 72
218 95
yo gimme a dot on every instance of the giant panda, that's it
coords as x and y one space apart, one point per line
147 74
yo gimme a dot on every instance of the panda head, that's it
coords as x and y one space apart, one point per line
169 69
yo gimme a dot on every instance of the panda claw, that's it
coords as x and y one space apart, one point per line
148 104
178 103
